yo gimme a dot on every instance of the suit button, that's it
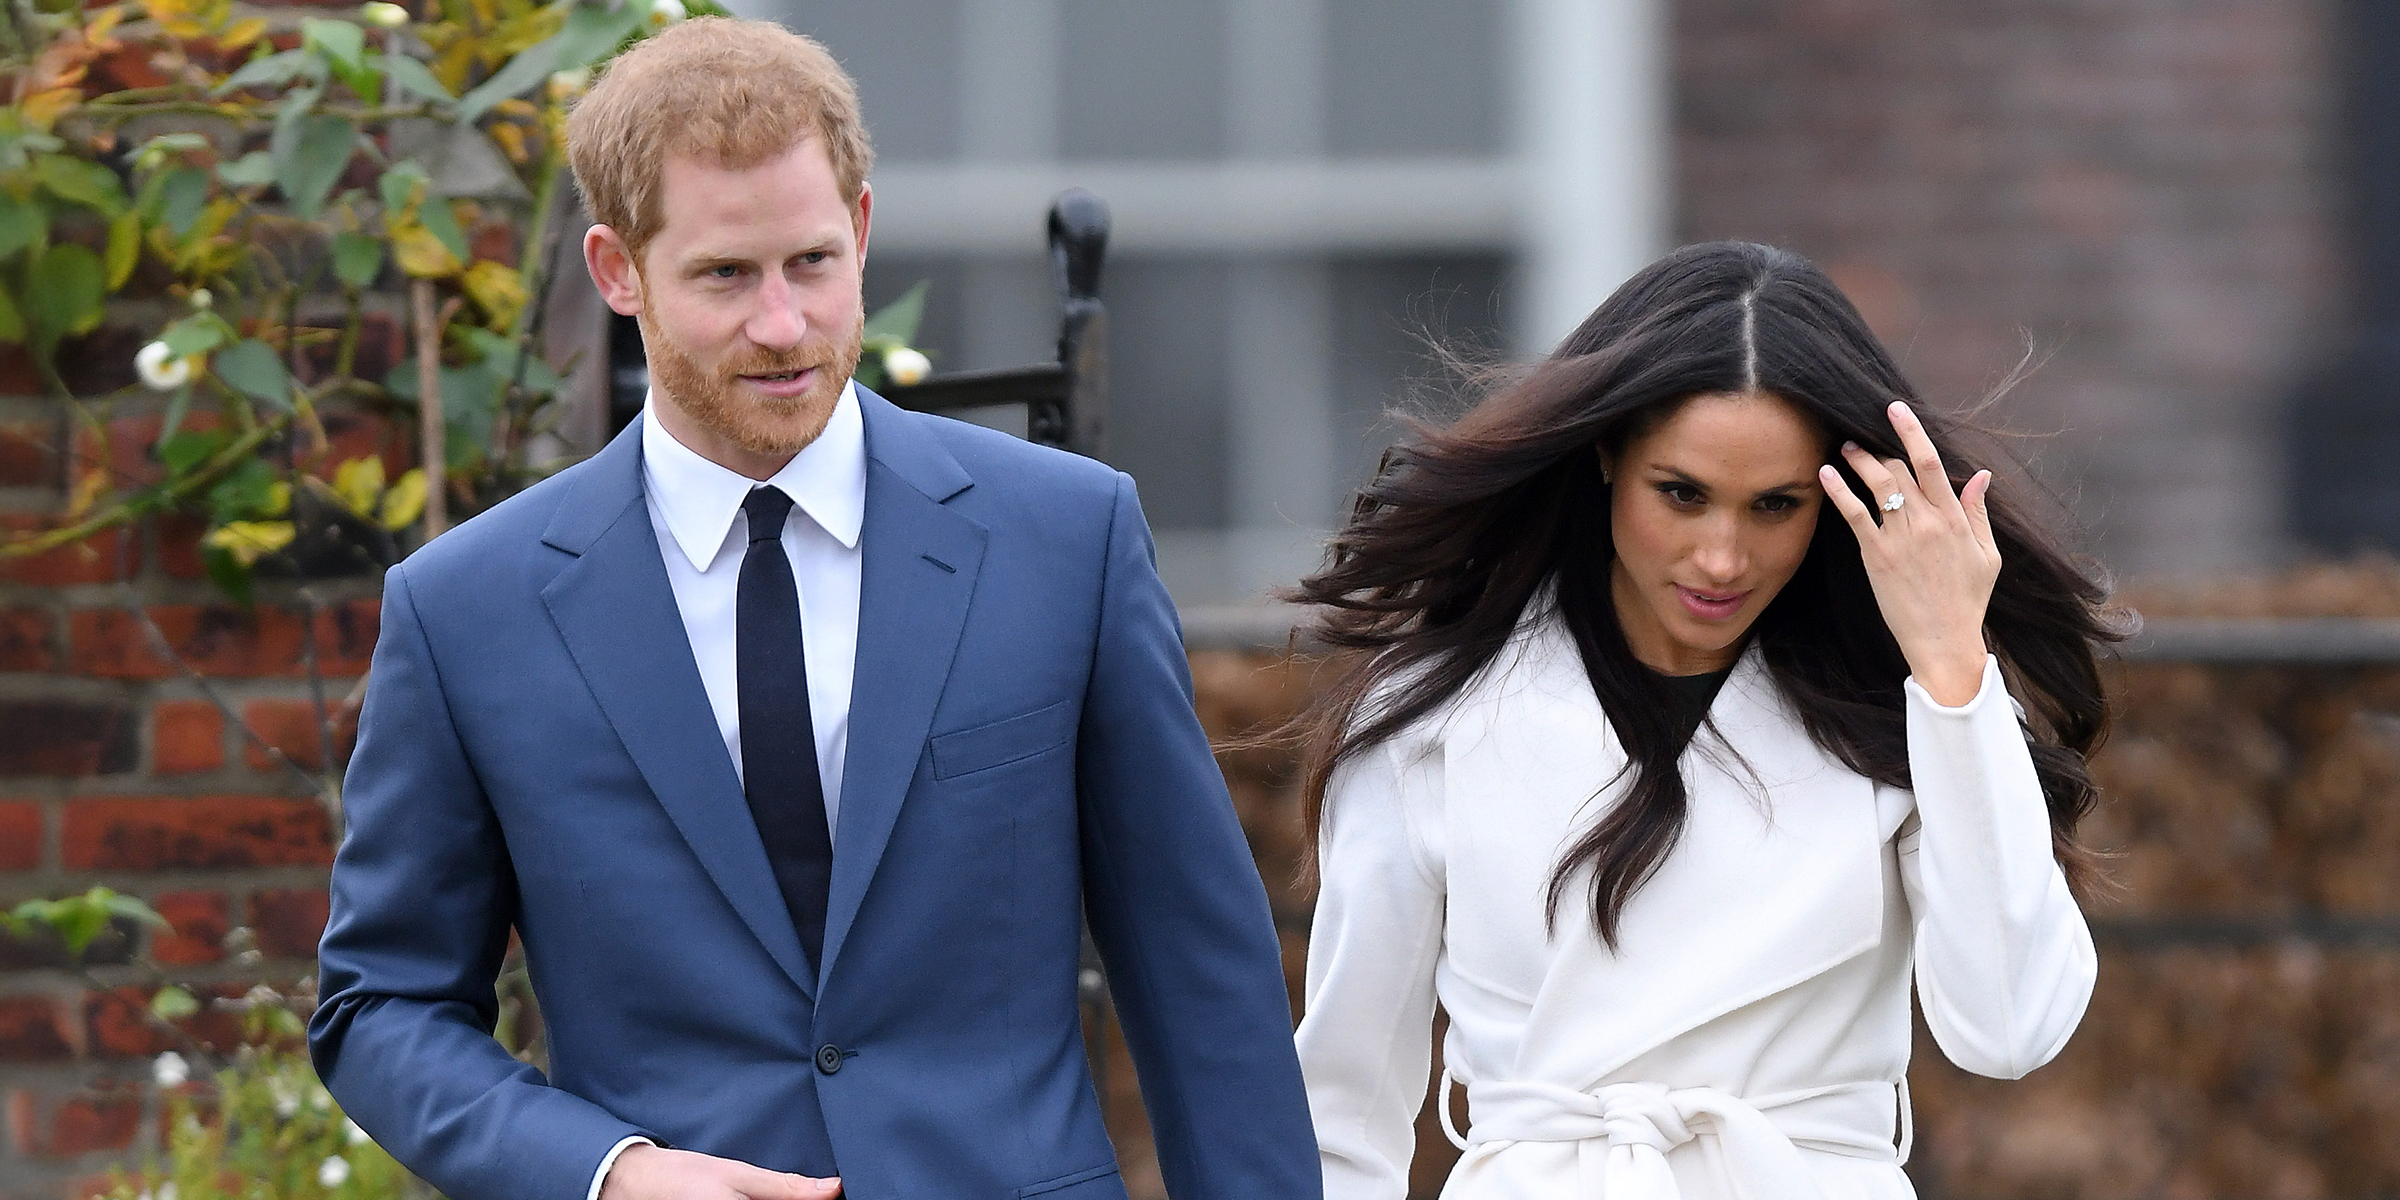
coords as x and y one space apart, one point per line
829 1058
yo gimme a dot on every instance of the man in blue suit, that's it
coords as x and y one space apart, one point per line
796 735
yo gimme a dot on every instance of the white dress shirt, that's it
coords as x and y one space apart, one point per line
696 508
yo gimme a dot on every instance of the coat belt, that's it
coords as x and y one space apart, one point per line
1623 1131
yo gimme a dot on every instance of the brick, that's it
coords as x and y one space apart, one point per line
129 833
365 435
101 558
198 923
58 737
36 1029
25 640
177 536
17 375
186 736
84 1123
214 639
120 1024
20 835
289 922
29 455
127 455
291 726
346 636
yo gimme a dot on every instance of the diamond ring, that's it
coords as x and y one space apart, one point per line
1893 502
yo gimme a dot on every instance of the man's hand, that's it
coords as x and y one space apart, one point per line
652 1173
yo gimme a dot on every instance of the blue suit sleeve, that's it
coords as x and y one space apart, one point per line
423 897
1177 909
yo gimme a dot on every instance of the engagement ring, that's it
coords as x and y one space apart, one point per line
1893 502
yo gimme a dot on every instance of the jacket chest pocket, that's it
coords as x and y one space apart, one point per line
1000 743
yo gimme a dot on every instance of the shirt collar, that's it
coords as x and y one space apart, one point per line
701 499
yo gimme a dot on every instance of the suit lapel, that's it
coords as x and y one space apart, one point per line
918 568
616 611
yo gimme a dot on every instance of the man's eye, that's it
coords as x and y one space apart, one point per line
724 271
814 257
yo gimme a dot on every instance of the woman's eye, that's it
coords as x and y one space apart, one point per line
1679 493
1777 505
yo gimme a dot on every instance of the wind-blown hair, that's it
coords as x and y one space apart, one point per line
1467 526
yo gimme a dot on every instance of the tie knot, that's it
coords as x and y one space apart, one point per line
767 507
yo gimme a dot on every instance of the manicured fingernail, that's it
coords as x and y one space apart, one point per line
1849 447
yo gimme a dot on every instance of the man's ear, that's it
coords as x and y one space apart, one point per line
613 270
859 219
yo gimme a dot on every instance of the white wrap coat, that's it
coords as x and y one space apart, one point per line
1750 1036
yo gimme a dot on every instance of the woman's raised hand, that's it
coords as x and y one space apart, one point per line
1931 557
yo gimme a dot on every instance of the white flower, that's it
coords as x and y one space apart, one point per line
160 369
352 1134
571 83
383 15
166 1191
202 298
666 12
906 367
333 1171
287 1101
170 1070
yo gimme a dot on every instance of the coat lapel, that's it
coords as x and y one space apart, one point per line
616 611
920 561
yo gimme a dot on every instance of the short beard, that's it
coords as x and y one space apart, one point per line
713 399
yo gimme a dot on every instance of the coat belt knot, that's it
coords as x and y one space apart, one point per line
1624 1131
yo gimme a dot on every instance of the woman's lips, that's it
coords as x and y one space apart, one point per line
783 388
1710 606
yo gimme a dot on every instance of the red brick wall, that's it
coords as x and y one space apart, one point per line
116 769
2151 188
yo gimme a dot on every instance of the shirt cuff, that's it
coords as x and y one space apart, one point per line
601 1176
1991 683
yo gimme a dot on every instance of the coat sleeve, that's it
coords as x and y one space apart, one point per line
422 900
2004 961
1176 907
1366 1042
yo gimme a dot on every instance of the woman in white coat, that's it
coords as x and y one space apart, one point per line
1679 740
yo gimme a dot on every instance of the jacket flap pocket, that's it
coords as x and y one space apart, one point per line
1102 1181
998 743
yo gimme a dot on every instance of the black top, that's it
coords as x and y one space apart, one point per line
1691 695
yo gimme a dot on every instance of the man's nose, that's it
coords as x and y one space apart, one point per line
776 322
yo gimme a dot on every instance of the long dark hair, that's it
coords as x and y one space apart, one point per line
1466 526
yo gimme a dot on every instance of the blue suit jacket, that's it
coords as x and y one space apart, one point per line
537 751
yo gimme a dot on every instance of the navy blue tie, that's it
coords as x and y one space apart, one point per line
779 741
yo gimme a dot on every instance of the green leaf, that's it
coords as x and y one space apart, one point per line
63 294
320 153
342 43
78 182
181 198
22 223
252 368
398 184
228 573
244 492
523 73
290 122
274 70
594 32
357 259
198 333
130 907
12 322
899 319
440 221
173 1003
124 248
250 170
412 76
177 405
184 451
